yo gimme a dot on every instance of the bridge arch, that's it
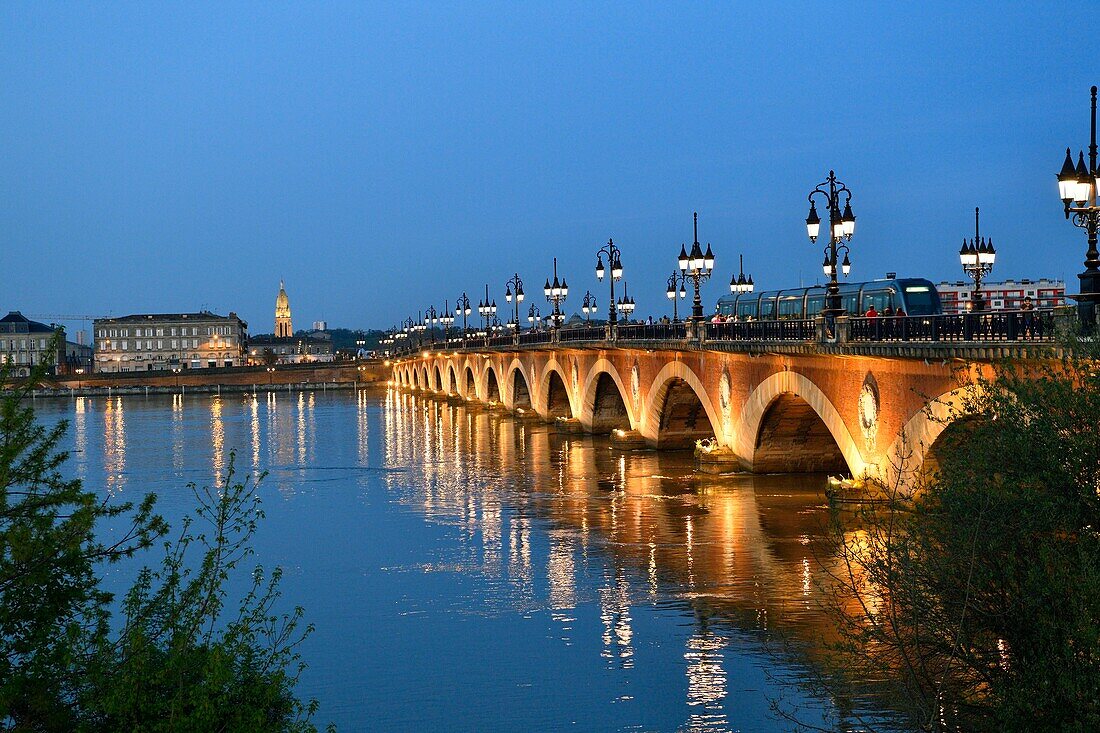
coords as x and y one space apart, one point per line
605 405
438 374
469 383
678 410
555 399
519 387
905 458
804 431
492 385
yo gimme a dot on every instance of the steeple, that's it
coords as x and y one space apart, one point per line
283 328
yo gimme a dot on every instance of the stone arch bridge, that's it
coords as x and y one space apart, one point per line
862 414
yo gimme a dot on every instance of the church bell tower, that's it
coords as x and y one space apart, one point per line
283 329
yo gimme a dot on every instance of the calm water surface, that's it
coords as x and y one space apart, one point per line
470 572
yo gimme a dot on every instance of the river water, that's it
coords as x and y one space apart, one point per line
467 571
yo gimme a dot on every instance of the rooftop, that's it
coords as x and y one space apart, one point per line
152 317
16 322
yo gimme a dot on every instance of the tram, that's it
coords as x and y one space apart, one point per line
916 296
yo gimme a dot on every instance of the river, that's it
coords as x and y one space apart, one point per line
467 571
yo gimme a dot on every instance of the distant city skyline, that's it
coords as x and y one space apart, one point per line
384 158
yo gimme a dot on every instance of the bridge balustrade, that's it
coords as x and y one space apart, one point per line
796 329
992 326
652 332
583 333
535 337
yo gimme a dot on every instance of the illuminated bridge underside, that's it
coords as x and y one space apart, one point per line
859 415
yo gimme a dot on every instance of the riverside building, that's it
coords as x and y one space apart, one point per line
24 344
1004 295
159 341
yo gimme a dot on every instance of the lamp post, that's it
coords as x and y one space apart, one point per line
1077 185
698 266
842 226
977 257
408 329
588 305
556 293
514 282
616 265
740 283
625 305
446 318
676 282
431 317
462 305
534 316
487 310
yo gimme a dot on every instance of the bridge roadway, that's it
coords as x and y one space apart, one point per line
868 408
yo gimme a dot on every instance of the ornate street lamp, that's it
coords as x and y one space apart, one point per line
842 225
431 317
1077 185
446 318
977 257
698 266
676 282
487 309
740 283
462 305
625 304
556 292
588 305
616 264
513 282
534 315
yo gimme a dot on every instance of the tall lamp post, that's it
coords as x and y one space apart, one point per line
446 318
513 282
698 266
588 305
612 252
462 305
625 305
534 315
1077 186
431 317
977 257
487 309
842 225
676 282
739 283
556 293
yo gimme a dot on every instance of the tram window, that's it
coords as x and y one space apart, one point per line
767 309
880 299
814 305
746 309
790 306
850 302
921 300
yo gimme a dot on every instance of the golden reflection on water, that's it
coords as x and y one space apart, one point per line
80 436
114 445
217 439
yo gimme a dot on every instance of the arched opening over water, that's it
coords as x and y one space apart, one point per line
438 386
954 436
682 418
557 397
492 388
521 394
452 379
468 390
608 406
793 439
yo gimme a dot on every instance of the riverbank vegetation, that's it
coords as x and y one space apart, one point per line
177 652
974 591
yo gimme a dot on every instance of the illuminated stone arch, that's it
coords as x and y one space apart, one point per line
542 399
438 372
904 459
452 379
789 383
595 403
675 376
517 371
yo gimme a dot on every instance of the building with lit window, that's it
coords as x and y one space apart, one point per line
1005 295
25 344
284 347
152 342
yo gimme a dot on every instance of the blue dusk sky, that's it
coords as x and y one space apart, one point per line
383 157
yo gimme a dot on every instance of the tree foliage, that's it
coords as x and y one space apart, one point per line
176 653
975 590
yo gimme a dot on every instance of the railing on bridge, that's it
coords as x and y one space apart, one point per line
535 337
652 332
583 333
787 330
992 326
